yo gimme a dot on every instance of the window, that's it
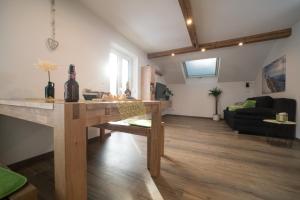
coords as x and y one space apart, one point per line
201 68
120 67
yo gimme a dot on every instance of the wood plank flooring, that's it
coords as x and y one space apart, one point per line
203 160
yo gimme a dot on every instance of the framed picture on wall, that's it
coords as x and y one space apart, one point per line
274 76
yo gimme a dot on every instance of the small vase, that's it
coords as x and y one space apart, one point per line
50 90
216 117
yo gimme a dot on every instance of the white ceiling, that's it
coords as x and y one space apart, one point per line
237 63
225 19
154 25
158 25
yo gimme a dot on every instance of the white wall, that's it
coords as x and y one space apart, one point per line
192 99
291 48
84 41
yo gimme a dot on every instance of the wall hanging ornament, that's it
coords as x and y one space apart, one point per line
52 44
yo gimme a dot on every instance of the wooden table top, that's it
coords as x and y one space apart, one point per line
42 104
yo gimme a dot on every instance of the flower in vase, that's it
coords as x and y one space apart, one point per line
50 88
46 66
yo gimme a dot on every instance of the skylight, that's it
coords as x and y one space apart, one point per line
201 68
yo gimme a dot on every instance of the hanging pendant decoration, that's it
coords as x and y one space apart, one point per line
52 44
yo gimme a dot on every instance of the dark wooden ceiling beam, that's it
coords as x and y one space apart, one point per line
227 43
186 9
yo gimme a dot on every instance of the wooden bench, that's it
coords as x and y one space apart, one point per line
28 192
122 126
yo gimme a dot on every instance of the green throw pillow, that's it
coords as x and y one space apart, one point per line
250 104
134 122
246 104
140 122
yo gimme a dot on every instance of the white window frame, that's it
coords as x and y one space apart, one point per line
121 55
202 76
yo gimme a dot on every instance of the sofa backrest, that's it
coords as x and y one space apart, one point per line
263 102
286 105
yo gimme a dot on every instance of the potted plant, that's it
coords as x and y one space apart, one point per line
168 94
216 92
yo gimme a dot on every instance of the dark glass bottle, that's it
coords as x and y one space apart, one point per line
50 90
71 86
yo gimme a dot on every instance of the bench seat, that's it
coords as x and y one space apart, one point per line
127 127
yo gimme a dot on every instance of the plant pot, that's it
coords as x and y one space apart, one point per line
216 117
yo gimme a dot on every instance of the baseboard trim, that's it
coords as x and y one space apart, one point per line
94 139
175 115
48 155
29 161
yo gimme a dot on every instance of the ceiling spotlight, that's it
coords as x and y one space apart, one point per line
173 54
241 44
189 21
203 49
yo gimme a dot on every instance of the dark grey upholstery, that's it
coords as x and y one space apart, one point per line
263 102
250 120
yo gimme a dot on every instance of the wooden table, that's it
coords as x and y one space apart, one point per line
69 122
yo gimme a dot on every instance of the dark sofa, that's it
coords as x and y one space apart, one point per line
250 120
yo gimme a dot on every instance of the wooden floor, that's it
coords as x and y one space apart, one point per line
204 160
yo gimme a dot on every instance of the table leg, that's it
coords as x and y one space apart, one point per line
148 151
155 141
70 152
102 135
162 140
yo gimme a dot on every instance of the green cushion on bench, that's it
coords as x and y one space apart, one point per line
10 182
134 122
140 122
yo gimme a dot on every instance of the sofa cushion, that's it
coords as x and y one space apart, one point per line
247 104
251 117
256 111
263 102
